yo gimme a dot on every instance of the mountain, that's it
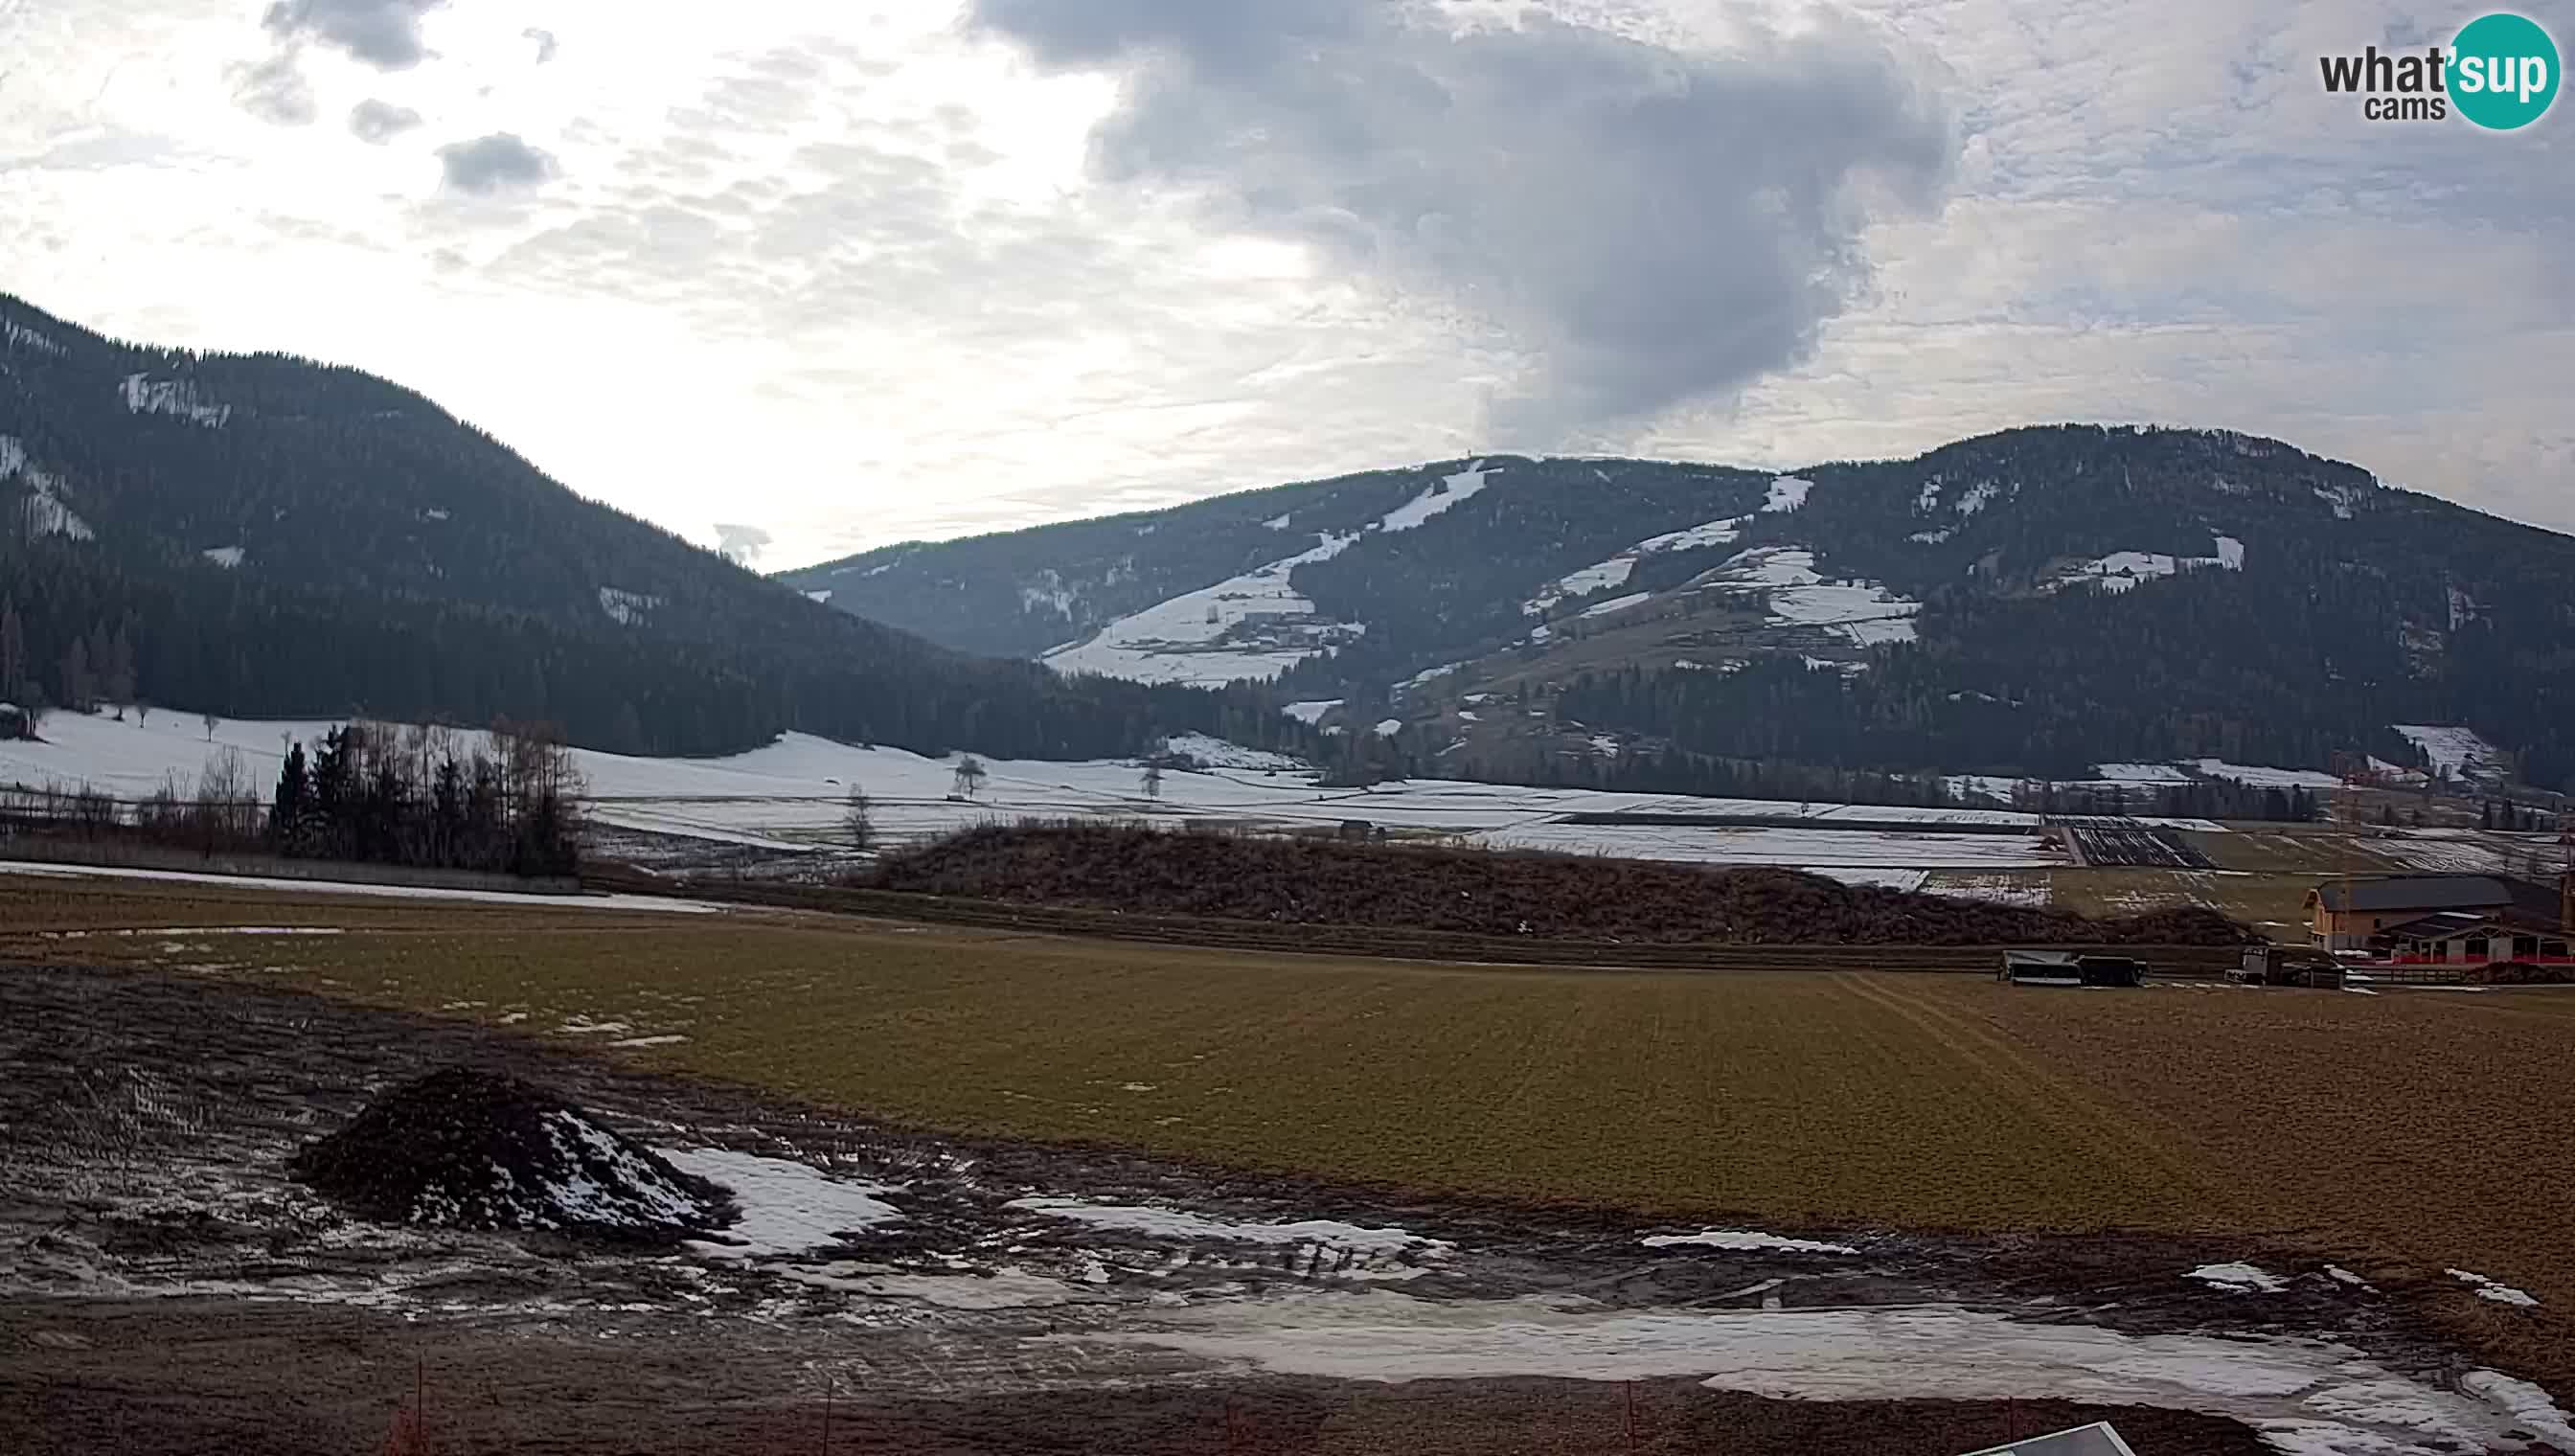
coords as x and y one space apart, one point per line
262 536
2034 602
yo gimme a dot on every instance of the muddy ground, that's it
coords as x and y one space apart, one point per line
165 1288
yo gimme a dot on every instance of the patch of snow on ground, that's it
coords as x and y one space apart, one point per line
626 609
2230 553
1615 603
2315 1388
1389 726
1458 489
1730 1238
2460 751
176 397
2260 777
788 1207
1178 1223
1429 675
45 514
1311 714
16 334
2339 497
225 556
2239 1277
636 1194
2528 1404
1177 641
1907 881
1276 522
1786 494
822 595
1977 495
2489 1289
1613 572
1798 595
1218 753
1696 538
1598 576
1933 538
2125 774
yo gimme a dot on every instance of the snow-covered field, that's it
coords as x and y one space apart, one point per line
1799 595
791 793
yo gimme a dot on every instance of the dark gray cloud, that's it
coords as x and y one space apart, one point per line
1656 224
275 89
378 122
383 33
546 42
497 163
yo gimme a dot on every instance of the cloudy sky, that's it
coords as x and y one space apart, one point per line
811 276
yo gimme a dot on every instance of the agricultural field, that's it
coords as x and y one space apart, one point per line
1945 1131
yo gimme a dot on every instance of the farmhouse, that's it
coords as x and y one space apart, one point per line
2345 913
2447 920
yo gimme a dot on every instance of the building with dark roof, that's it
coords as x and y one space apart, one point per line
2344 914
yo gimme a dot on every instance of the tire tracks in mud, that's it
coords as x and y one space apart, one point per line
2078 1112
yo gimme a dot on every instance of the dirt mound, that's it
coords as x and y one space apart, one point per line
462 1148
2520 973
1485 892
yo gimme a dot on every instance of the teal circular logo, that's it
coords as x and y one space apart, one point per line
2503 71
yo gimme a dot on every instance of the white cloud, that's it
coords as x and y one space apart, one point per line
884 279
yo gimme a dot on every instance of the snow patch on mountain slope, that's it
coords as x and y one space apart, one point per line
1929 499
2121 571
1787 493
1613 572
1797 595
1451 491
2460 751
18 335
172 397
1311 714
1615 603
627 609
2340 497
1211 751
1934 538
43 512
1254 626
225 556
822 596
1052 593
1978 496
1277 522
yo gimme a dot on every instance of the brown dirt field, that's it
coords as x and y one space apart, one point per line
2406 1132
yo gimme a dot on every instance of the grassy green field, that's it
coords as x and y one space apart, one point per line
2420 1128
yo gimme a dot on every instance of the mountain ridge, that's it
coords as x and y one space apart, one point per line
1959 608
276 537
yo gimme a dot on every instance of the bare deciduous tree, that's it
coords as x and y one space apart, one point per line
970 776
856 821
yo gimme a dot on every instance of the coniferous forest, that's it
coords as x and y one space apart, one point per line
269 537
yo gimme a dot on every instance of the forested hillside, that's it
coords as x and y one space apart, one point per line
2034 602
265 535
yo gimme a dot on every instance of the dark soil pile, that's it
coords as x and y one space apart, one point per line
2520 973
1472 892
462 1148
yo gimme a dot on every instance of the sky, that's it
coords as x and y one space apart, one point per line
807 277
